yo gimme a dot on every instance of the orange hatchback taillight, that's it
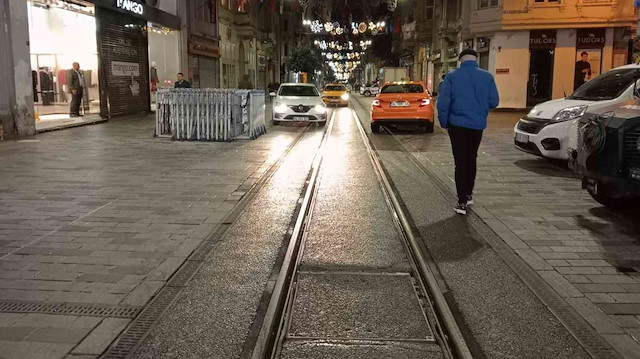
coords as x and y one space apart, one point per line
425 102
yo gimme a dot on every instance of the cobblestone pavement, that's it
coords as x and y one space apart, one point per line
104 215
590 255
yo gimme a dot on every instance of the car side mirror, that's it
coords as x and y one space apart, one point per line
272 94
434 94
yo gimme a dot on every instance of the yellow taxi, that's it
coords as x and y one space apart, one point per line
335 94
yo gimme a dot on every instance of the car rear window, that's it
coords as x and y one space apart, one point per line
402 88
307 91
335 88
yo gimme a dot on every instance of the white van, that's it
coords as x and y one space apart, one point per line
550 128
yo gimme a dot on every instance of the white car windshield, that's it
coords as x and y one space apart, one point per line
303 91
607 86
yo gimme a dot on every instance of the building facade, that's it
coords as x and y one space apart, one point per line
532 46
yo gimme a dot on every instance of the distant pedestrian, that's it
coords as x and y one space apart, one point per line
466 95
245 84
181 83
76 88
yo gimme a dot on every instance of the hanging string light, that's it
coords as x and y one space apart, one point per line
336 28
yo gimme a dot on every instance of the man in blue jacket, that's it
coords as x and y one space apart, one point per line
466 95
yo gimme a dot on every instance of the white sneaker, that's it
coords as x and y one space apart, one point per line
461 208
469 200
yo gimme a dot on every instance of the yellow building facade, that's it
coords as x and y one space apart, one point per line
533 46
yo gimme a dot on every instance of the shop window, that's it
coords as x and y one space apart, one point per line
428 9
243 6
485 4
547 1
206 10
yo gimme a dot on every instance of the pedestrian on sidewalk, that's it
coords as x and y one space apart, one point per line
466 96
181 83
76 88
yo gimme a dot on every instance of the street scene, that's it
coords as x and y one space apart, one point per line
305 179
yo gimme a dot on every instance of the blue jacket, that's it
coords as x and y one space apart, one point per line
466 95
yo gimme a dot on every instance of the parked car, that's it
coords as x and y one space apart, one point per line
403 103
608 154
298 102
335 94
369 89
550 128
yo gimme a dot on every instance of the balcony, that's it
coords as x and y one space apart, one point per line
424 31
246 25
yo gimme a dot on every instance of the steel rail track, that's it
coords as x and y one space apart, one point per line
272 332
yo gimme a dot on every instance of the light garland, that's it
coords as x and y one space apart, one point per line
340 46
341 56
335 28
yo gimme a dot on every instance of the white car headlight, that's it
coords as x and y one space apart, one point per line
344 96
320 108
280 108
569 113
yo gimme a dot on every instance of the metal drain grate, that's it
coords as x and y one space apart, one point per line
142 325
91 310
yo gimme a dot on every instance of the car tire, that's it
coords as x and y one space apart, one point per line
610 202
367 93
429 128
322 123
375 127
276 123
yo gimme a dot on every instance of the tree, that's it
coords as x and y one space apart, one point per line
305 58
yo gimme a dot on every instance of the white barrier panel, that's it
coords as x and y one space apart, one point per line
210 114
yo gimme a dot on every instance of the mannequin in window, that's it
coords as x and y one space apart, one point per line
154 77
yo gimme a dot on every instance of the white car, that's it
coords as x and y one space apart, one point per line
369 89
550 129
300 103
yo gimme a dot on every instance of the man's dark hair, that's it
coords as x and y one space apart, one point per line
180 73
584 53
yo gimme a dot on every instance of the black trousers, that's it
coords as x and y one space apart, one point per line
465 143
75 102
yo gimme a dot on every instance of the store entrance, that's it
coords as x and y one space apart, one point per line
540 82
60 34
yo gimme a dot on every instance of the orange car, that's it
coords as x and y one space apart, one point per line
402 103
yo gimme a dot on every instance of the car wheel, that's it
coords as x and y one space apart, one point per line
610 202
428 128
367 93
276 123
375 127
322 123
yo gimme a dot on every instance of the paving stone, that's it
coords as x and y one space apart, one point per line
601 288
625 344
604 278
620 308
100 338
103 278
626 297
14 333
533 259
57 335
143 293
626 321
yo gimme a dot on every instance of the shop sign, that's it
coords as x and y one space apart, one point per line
119 68
542 39
482 44
590 38
502 71
130 5
203 48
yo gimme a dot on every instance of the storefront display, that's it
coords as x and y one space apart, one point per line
60 34
542 44
589 45
164 57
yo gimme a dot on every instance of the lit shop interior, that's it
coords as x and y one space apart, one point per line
164 58
61 33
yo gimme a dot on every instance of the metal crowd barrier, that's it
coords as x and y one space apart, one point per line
210 114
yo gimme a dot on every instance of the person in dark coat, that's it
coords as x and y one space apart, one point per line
582 71
181 83
75 79
466 95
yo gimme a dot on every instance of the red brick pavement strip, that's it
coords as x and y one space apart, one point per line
538 209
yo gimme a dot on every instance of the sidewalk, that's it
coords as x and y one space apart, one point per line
95 219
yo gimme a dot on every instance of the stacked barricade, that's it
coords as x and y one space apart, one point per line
210 114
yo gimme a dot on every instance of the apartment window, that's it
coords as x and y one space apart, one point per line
285 26
547 1
286 50
428 9
206 10
485 4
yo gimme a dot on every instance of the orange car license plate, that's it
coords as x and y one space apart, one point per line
400 104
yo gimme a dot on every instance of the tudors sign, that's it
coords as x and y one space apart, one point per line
130 5
590 38
542 39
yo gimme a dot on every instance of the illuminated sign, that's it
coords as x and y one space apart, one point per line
130 5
